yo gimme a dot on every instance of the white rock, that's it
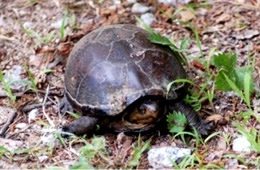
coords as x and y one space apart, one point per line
148 18
47 139
163 157
139 8
241 144
20 125
57 24
167 2
131 1
28 25
2 23
43 158
117 2
173 2
14 76
32 115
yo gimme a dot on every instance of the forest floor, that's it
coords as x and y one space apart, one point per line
33 36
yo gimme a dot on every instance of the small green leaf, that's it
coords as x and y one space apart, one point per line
226 61
21 151
75 115
240 73
221 82
63 25
3 151
82 164
138 152
176 122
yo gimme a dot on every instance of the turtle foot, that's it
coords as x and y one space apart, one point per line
64 106
203 127
81 126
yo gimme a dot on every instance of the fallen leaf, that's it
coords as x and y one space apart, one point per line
247 34
223 18
65 48
186 15
216 118
198 65
44 49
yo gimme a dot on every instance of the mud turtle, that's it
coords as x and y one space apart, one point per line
116 78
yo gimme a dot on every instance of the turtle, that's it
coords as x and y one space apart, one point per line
117 79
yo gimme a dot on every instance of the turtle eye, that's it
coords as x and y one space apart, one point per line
142 109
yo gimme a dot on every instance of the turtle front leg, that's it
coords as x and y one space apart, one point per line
193 118
81 126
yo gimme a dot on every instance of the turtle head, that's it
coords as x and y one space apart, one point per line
145 113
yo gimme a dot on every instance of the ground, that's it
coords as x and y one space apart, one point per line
37 34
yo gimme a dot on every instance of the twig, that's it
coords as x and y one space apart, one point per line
28 108
43 107
7 124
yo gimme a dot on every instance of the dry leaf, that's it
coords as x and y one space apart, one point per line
216 118
186 16
223 18
198 65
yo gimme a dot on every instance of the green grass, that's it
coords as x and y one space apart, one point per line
7 87
138 150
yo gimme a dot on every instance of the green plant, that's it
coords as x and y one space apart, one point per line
7 87
252 135
83 163
96 148
159 39
226 64
138 152
3 151
33 82
176 122
63 25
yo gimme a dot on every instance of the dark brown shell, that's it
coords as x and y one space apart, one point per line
115 65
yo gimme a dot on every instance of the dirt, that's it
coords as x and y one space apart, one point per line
223 25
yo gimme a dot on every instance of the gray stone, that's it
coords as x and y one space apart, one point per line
163 157
242 145
148 18
14 76
131 1
139 8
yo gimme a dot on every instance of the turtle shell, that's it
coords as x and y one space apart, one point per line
114 66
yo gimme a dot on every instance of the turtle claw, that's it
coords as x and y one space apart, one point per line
81 126
204 127
64 106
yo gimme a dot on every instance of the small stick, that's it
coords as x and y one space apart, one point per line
7 124
43 106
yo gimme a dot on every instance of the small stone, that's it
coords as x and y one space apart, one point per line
14 76
173 2
139 8
20 125
2 23
58 24
148 18
163 157
32 115
43 158
241 144
131 1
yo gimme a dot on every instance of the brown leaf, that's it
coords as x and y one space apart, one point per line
65 48
44 49
216 118
198 65
223 18
186 15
